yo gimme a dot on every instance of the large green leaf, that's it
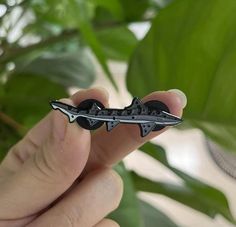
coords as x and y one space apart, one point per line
193 193
195 199
136 213
27 98
72 14
114 7
68 69
80 13
128 213
1 88
55 12
192 46
25 101
118 43
134 9
154 217
223 134
122 11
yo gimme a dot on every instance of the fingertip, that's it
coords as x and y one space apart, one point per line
181 95
102 91
172 99
98 93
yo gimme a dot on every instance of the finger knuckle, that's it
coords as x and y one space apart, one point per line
45 168
39 169
70 219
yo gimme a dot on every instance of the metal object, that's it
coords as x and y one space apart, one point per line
91 114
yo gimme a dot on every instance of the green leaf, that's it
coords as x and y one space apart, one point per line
27 98
192 46
207 201
68 69
114 7
86 29
128 213
154 217
193 193
122 11
223 134
134 9
73 14
1 90
155 151
118 43
55 12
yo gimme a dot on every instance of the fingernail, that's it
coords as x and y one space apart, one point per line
181 95
103 90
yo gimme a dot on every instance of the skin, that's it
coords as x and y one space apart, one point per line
60 174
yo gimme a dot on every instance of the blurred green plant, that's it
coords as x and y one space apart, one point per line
191 45
198 56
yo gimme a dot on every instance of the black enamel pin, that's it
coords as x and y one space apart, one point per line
91 114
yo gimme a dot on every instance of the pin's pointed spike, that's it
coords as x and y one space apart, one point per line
53 104
136 102
169 119
111 124
95 107
146 128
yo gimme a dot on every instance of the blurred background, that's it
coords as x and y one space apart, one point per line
50 49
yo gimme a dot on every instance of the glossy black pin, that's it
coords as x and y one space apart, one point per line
91 114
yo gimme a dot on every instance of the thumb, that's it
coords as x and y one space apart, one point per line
54 163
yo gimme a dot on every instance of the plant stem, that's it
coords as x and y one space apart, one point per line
13 53
16 52
12 123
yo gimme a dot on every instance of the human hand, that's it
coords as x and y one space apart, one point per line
60 175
